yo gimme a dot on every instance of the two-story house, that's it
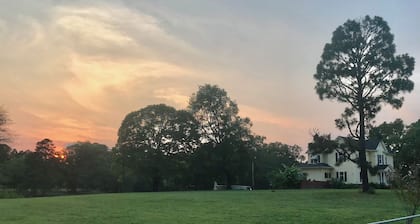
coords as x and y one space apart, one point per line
326 166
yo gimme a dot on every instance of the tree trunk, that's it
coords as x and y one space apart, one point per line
228 179
363 165
156 183
362 152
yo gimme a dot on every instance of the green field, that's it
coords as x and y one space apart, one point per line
281 206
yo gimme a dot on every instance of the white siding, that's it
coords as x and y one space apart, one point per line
353 172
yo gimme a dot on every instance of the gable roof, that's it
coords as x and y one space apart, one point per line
372 144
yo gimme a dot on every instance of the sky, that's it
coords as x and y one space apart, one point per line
71 70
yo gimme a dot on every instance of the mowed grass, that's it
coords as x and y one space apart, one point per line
199 207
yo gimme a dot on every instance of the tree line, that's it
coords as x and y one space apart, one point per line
158 148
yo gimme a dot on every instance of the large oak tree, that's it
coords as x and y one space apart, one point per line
151 140
360 68
224 131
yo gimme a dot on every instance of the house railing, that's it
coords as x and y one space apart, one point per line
396 219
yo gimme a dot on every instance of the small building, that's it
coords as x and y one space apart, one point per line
327 166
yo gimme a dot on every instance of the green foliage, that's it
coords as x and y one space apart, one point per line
359 67
346 147
13 171
273 157
43 170
228 134
406 183
216 113
45 149
152 141
239 207
371 190
9 193
337 184
322 144
158 148
390 133
5 152
288 177
406 179
379 186
89 168
410 149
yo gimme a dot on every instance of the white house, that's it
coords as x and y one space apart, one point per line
325 166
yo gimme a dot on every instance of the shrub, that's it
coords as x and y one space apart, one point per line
371 190
9 193
288 177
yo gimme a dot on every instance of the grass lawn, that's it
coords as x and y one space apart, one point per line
281 206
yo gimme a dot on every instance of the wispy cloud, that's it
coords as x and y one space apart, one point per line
174 96
71 73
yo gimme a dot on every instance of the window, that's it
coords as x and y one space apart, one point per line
341 176
327 175
339 157
381 177
386 160
316 159
380 159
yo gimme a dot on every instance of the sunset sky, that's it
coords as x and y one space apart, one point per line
71 70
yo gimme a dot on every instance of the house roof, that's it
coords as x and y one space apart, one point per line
315 166
382 167
372 144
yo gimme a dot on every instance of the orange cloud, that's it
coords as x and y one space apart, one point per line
258 115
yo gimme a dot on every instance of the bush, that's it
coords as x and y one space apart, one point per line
338 184
289 177
9 193
371 190
378 186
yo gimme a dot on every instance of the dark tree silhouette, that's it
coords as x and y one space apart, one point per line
391 133
89 167
42 169
272 158
406 179
46 149
409 154
220 127
4 120
153 136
